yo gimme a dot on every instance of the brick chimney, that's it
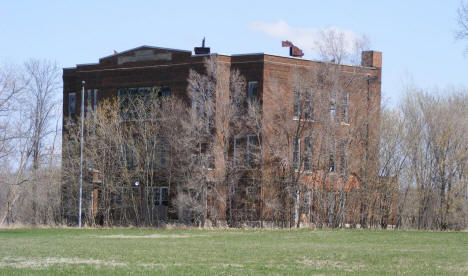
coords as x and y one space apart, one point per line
371 59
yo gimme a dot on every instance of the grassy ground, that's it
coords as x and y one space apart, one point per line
231 252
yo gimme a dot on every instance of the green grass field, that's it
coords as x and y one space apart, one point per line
231 252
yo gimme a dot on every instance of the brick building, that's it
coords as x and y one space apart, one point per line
274 80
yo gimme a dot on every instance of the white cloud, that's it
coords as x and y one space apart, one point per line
304 38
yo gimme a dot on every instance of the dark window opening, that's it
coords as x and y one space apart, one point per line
308 154
71 104
297 153
331 166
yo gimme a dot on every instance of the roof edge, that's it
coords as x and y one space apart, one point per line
146 46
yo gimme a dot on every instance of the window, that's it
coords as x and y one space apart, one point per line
130 97
129 157
308 105
307 154
297 153
160 196
88 103
195 160
201 112
163 152
343 159
345 107
252 150
71 104
209 162
331 165
88 110
332 162
297 99
160 154
95 103
332 108
236 153
252 93
307 202
165 92
250 190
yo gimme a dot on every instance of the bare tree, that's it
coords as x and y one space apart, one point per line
40 100
336 46
462 20
219 116
435 138
11 85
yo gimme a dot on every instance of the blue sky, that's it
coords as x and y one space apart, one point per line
416 37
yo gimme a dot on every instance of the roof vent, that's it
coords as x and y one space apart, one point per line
293 50
202 50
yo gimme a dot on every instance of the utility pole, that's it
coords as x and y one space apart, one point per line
81 153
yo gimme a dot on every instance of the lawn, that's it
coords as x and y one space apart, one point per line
232 252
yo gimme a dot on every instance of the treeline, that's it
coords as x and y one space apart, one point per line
424 143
